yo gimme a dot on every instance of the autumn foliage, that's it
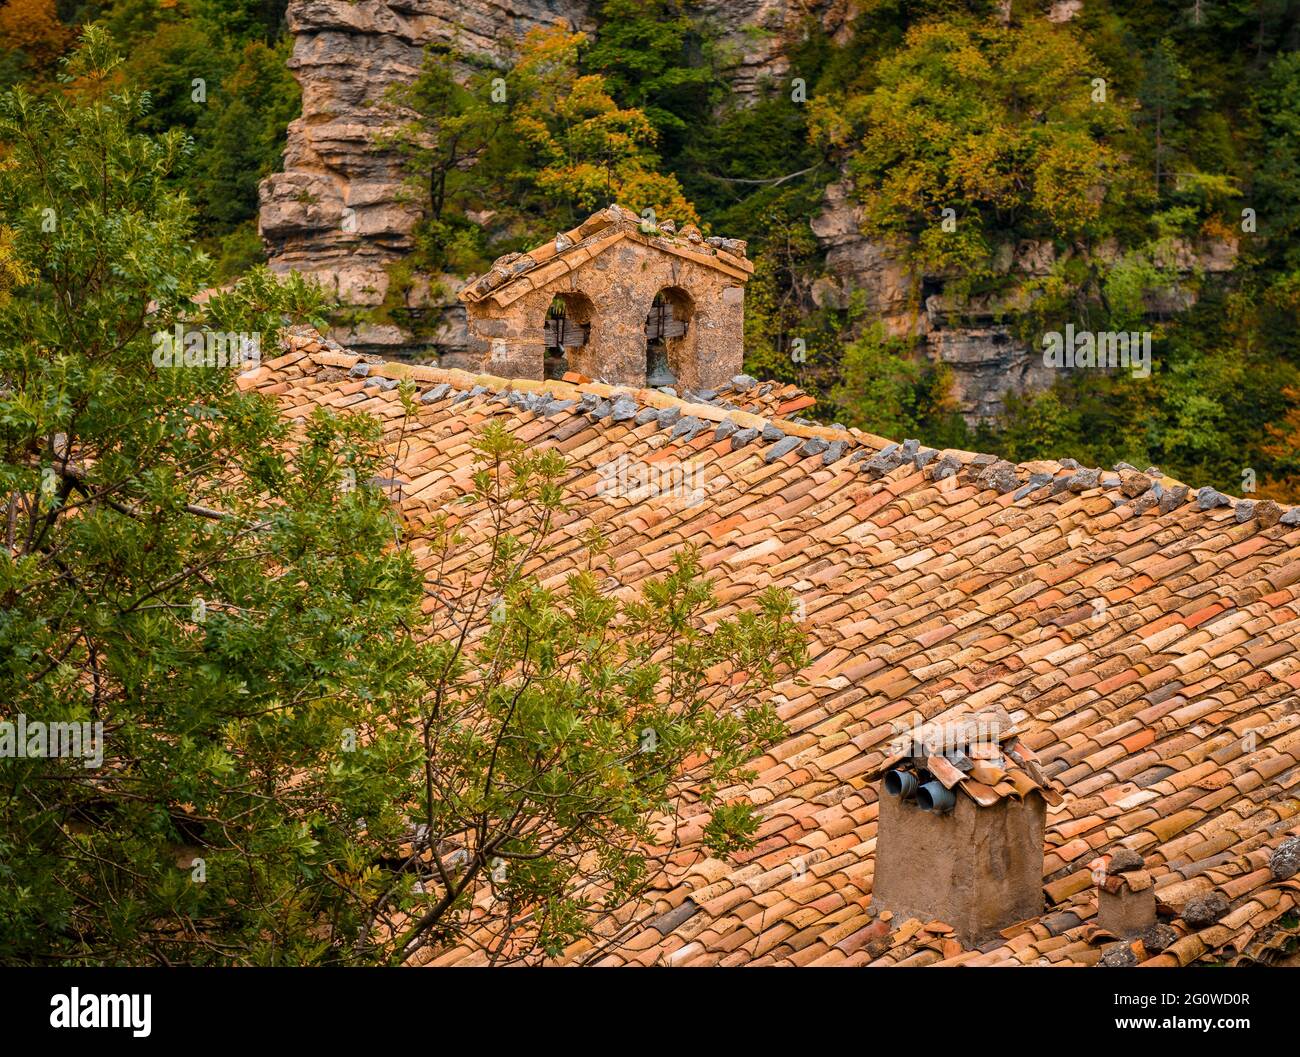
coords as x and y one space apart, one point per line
32 27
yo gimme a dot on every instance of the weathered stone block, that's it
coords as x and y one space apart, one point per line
1124 911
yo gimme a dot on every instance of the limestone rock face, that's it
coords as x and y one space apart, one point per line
975 337
337 212
757 33
856 263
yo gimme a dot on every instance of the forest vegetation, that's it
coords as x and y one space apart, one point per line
923 107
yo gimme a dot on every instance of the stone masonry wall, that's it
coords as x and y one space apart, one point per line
620 285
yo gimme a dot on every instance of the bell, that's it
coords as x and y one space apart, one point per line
660 373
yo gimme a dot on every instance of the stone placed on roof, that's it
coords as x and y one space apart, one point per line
1208 498
1000 476
947 466
688 427
1205 910
1131 483
1122 860
782 447
834 451
1284 863
1083 480
624 408
1172 498
1267 513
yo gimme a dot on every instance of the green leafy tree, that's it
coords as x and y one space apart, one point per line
581 148
1278 207
656 58
558 742
241 134
217 71
295 764
1161 97
173 568
997 124
1038 426
884 389
534 149
178 68
445 142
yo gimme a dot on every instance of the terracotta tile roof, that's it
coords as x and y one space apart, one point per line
1143 638
515 274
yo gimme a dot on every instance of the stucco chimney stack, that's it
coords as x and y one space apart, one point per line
960 831
1126 895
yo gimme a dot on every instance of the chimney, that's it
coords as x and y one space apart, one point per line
960 832
1126 894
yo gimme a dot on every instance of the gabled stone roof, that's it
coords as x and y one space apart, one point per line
1143 638
516 274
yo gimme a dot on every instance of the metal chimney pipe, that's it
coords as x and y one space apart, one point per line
901 783
934 797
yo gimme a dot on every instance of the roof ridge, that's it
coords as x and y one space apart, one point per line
655 398
590 238
1143 489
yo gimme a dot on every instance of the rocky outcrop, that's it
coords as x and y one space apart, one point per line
755 35
975 337
855 263
337 210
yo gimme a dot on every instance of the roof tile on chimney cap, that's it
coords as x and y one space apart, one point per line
945 751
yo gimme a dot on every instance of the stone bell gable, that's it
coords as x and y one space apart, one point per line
618 300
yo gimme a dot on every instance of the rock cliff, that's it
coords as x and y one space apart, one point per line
976 339
336 211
